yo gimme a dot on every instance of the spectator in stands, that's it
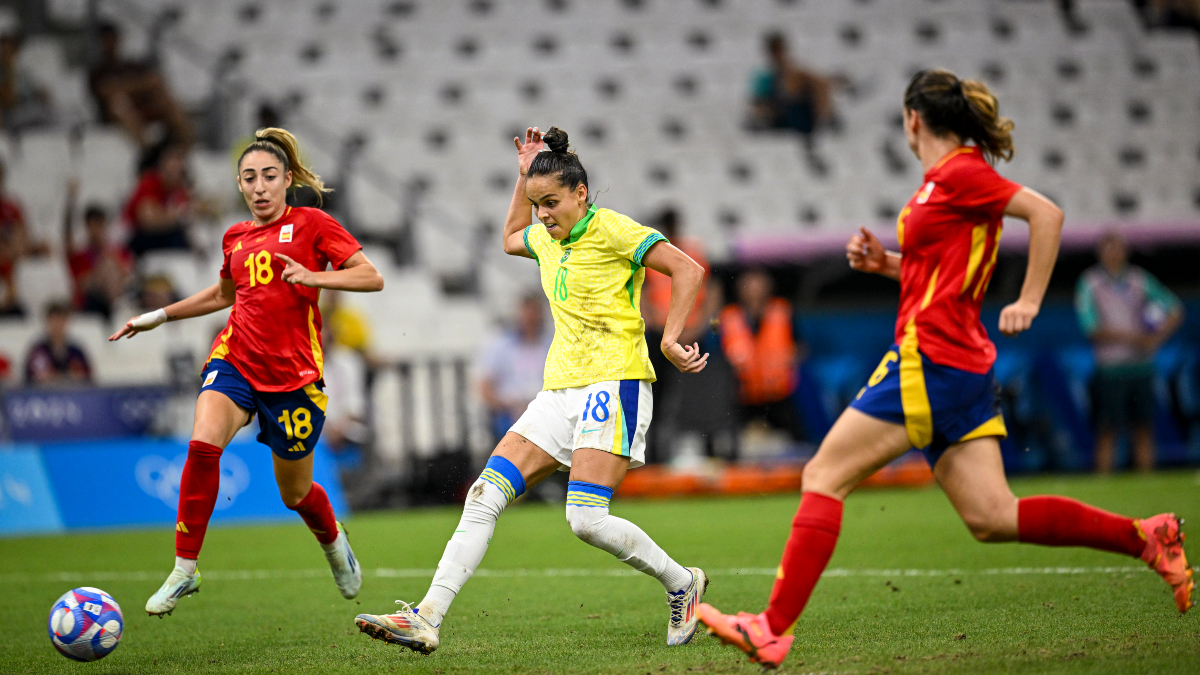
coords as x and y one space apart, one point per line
1171 13
100 270
23 103
1127 314
756 337
55 360
14 245
156 291
510 369
135 96
656 301
161 209
786 96
346 342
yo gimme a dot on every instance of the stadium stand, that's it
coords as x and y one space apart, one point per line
410 106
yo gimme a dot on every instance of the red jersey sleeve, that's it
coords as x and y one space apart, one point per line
227 253
333 241
978 192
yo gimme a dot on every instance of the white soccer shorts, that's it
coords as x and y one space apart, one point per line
612 416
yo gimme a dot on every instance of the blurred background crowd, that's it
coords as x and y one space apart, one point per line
757 136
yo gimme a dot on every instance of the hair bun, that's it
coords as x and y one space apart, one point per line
556 140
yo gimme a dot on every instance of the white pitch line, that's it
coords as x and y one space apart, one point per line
389 573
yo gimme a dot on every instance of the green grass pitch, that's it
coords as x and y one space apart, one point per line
910 592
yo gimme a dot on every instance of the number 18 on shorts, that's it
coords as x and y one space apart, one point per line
612 416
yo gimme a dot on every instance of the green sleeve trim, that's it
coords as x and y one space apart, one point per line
1160 295
1085 306
530 248
650 240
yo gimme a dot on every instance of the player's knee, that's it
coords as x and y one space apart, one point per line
986 529
292 497
824 477
585 521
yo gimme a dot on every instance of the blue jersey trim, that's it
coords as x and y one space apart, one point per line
529 248
650 240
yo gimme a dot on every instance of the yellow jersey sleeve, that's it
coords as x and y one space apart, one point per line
629 239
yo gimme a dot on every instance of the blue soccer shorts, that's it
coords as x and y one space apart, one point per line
289 422
938 405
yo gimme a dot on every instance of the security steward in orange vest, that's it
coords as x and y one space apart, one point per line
756 336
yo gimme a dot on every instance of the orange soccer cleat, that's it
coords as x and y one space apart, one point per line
1164 554
749 633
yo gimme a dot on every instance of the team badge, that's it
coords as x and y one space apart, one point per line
923 195
285 232
566 254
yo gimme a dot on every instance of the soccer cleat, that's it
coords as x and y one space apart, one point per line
749 633
682 625
405 628
177 585
346 571
1164 554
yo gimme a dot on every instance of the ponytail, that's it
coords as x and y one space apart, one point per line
965 108
282 144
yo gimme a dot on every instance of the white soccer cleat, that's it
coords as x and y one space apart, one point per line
346 571
405 628
684 604
179 584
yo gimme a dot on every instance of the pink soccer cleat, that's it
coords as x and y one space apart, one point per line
749 633
1164 554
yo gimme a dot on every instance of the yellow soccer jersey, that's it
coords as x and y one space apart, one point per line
593 279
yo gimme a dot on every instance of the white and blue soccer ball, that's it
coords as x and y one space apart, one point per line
86 624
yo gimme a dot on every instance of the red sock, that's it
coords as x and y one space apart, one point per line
317 513
1058 521
815 532
198 486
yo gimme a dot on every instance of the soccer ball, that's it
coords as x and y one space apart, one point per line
86 624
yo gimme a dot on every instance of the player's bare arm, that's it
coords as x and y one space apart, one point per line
866 253
1045 231
212 299
356 274
686 278
519 216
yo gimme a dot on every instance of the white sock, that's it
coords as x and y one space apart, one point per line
628 543
188 564
333 545
464 551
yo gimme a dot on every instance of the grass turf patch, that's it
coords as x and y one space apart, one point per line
912 593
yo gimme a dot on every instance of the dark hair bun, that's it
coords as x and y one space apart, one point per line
556 140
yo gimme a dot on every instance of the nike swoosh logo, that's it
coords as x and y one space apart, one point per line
588 431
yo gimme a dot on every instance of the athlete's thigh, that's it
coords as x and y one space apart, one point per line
972 476
857 446
218 419
534 463
294 477
599 466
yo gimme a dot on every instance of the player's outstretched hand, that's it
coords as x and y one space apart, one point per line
140 324
529 149
686 359
866 253
295 273
1017 317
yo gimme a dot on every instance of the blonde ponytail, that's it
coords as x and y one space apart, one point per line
282 144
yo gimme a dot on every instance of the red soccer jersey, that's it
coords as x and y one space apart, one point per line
274 332
949 234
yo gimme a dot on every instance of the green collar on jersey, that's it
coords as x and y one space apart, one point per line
580 227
